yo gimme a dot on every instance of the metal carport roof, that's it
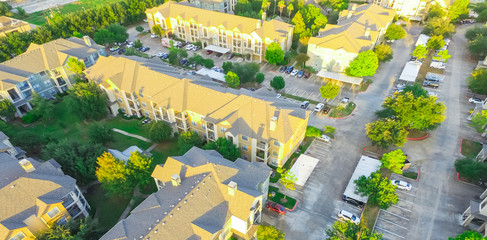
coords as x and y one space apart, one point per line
217 49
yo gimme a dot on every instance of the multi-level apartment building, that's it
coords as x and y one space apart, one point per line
226 31
475 217
359 29
412 9
223 6
43 69
7 147
34 196
201 196
264 130
12 25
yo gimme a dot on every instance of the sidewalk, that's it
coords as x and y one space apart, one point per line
131 135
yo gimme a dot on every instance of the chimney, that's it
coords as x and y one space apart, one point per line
232 188
259 23
264 17
27 165
176 180
350 13
87 41
273 123
354 7
367 32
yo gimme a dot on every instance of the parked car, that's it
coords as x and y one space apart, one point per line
475 100
183 61
307 74
230 56
219 54
401 184
189 47
121 51
165 56
300 74
278 95
177 44
276 208
304 105
114 48
289 69
348 216
325 138
208 52
294 72
432 94
130 44
159 55
195 48
282 69
326 109
319 107
145 20
147 120
431 84
144 49
345 100
153 36
192 72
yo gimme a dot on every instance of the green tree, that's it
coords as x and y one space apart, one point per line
103 36
225 147
232 80
329 91
139 29
137 43
395 32
299 25
476 32
42 107
227 66
394 161
281 5
119 32
443 56
87 100
479 7
269 233
385 132
139 167
420 52
7 109
246 72
383 52
479 120
187 140
468 235
100 133
365 64
278 83
274 53
436 11
458 8
76 66
290 8
380 190
77 159
157 30
478 46
301 59
159 131
5 9
259 78
416 89
482 16
114 175
471 169
21 12
435 42
288 179
74 229
312 132
208 63
350 231
438 26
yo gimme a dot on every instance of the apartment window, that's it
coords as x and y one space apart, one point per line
55 211
274 162
245 147
144 104
123 109
141 95
116 90
47 82
18 236
147 114
245 138
119 100
222 129
277 144
245 157
193 123
275 153
43 73
62 221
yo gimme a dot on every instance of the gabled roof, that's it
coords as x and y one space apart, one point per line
43 57
369 15
200 206
273 29
7 23
244 114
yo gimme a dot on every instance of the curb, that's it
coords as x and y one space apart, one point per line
461 143
418 139
417 178
365 89
458 178
295 205
345 116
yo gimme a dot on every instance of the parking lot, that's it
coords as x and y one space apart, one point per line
394 223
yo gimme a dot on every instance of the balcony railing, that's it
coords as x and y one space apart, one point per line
263 145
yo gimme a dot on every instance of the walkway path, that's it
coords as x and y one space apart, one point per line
127 210
131 135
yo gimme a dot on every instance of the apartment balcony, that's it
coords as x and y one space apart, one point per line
210 126
263 145
211 136
74 211
68 201
261 155
180 124
23 86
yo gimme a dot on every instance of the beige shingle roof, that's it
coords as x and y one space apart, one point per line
247 115
273 29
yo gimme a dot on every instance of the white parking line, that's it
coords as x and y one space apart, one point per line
400 199
380 219
407 219
405 209
414 195
384 230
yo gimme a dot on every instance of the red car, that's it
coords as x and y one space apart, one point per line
276 208
209 52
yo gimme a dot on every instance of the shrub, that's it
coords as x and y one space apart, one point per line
312 132
30 118
139 29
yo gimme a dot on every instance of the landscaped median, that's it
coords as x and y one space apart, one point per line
342 112
277 197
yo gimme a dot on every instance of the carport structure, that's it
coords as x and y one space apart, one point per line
217 49
366 165
303 168
339 77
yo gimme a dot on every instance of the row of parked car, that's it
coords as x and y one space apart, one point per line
294 72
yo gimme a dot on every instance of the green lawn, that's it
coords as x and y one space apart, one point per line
412 175
39 18
370 215
298 98
286 201
133 126
122 142
339 113
470 148
164 150
107 209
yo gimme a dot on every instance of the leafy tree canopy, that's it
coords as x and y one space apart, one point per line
312 132
380 190
458 8
420 51
395 32
259 78
329 91
386 132
76 66
438 26
269 233
350 231
365 64
436 11
225 147
5 9
160 131
278 83
232 79
7 109
471 169
478 81
468 235
288 179
113 175
383 52
479 120
187 140
435 42
476 32
478 46
417 90
78 229
443 56
87 100
394 161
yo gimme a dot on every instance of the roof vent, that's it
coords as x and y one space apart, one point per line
87 41
176 180
273 123
27 165
232 188
367 32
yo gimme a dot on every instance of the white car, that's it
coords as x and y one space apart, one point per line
348 216
160 54
319 107
278 95
130 44
475 100
325 138
401 184
189 47
294 72
432 94
153 36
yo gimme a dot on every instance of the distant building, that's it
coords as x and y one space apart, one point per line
412 9
475 217
43 69
220 31
34 196
125 155
12 25
201 196
223 6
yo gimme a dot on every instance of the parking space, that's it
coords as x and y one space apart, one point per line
394 223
